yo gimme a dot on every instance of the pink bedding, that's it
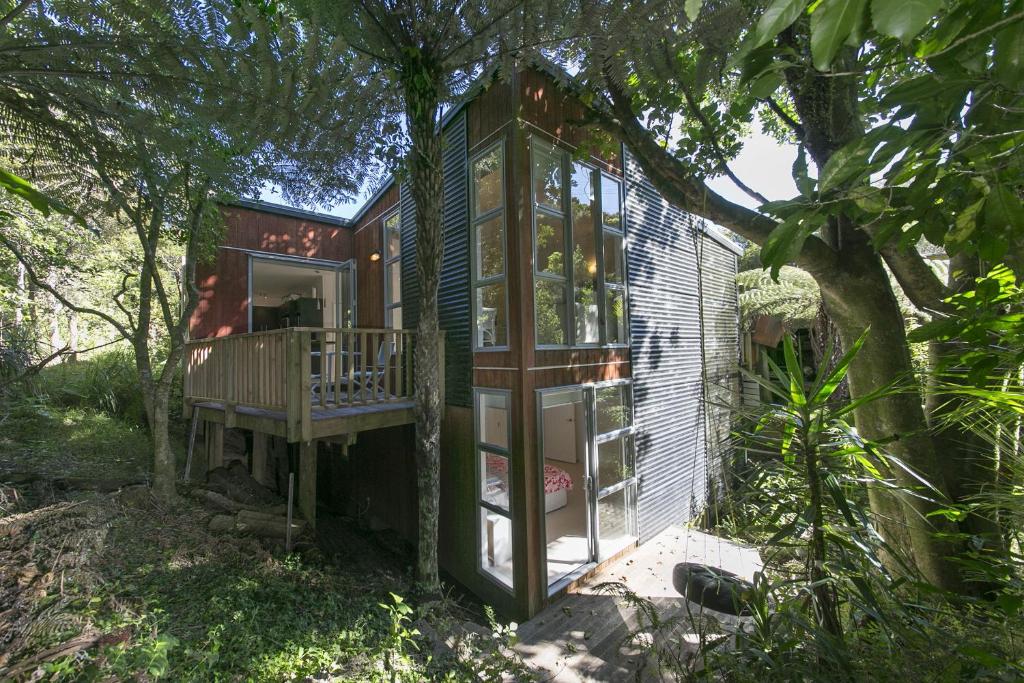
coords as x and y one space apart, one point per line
555 478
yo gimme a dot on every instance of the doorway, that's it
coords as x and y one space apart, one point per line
589 481
286 292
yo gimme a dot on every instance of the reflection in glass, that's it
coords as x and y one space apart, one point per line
490 248
614 259
616 523
550 245
494 479
393 236
611 202
584 256
614 462
547 177
487 177
496 546
491 318
492 412
613 408
551 312
615 316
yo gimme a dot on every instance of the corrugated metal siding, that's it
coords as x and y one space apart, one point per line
453 297
721 351
453 292
666 349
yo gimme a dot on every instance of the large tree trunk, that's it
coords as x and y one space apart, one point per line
164 470
427 178
857 298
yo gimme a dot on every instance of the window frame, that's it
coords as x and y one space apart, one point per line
390 304
479 447
567 279
475 222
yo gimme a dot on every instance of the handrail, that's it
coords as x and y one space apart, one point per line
300 370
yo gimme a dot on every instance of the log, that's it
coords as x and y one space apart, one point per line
256 523
219 501
267 525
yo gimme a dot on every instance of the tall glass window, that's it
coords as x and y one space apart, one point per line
550 268
490 301
616 319
494 504
393 271
579 252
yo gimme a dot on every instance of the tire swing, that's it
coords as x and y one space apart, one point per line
713 588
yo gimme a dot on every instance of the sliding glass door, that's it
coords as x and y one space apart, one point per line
589 481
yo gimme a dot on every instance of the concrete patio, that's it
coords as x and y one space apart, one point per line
582 636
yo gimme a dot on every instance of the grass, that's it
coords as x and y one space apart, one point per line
170 601
216 608
40 440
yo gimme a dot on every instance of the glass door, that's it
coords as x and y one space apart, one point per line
346 276
589 479
613 470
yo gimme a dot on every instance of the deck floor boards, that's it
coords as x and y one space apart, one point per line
581 636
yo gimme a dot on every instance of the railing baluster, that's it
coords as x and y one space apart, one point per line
388 346
350 363
399 350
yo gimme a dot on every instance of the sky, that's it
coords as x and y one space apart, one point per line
763 164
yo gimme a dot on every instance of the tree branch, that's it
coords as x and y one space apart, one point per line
793 124
917 279
42 284
723 163
674 181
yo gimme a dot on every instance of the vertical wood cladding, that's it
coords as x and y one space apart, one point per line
368 235
224 281
665 332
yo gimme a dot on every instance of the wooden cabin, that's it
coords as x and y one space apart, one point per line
579 392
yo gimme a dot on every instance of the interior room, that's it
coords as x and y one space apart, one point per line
292 295
564 448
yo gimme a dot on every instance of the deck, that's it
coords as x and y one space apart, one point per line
581 637
325 422
303 383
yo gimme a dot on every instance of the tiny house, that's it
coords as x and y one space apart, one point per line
591 340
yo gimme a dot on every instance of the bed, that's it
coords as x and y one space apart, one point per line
557 482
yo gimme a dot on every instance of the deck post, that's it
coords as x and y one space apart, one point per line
305 390
259 458
292 393
307 481
214 435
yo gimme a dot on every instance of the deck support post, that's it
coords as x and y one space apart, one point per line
259 458
214 440
307 481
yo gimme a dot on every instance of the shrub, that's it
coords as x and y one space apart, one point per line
107 382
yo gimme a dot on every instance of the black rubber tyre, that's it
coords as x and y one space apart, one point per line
712 588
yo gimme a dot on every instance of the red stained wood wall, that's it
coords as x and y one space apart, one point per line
224 281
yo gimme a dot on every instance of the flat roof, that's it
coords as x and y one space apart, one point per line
292 212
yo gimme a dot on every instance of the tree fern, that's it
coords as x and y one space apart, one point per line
794 298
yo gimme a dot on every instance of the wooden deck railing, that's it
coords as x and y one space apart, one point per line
299 370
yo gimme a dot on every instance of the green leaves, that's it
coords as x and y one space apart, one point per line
847 163
832 22
903 19
787 239
780 15
24 190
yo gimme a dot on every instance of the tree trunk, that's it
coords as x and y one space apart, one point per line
426 174
164 470
20 294
73 336
859 297
55 309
